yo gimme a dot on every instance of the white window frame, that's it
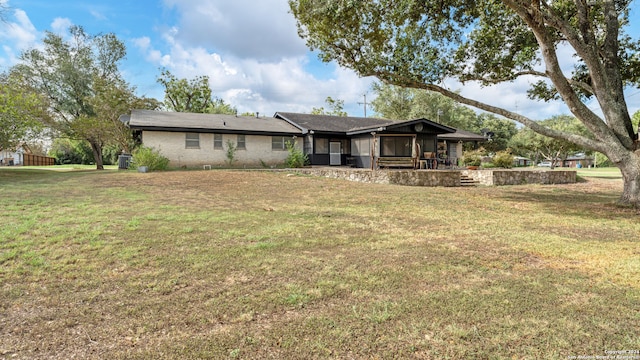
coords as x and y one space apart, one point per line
218 143
192 140
241 142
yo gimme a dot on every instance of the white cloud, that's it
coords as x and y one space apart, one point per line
252 83
263 30
17 34
60 26
21 32
142 43
98 15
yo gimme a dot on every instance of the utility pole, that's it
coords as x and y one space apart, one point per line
365 103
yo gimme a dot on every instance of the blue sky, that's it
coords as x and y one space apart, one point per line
249 49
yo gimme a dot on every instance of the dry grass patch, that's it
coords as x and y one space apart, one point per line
230 264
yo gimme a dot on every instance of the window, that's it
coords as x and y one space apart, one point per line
396 146
217 141
361 146
346 147
322 146
241 143
192 140
278 142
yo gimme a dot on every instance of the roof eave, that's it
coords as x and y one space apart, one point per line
278 115
367 130
216 131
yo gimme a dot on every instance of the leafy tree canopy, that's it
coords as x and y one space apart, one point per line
192 95
535 146
335 108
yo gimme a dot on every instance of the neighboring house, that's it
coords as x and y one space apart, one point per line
12 157
199 139
578 160
22 155
519 161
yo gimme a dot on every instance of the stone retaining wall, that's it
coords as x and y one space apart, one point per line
448 178
397 177
519 177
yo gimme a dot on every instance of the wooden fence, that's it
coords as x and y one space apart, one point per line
37 160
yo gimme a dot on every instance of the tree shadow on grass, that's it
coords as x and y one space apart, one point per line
581 202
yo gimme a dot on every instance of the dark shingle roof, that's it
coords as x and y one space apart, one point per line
173 121
284 123
331 124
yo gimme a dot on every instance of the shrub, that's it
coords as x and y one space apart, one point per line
473 157
231 152
149 157
503 159
296 157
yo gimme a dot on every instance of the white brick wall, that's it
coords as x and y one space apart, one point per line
173 146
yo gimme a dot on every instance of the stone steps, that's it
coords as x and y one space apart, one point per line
468 181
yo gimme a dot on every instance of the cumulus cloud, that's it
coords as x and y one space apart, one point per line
264 30
248 81
60 26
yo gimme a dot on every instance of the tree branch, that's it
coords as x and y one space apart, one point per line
583 141
578 84
535 19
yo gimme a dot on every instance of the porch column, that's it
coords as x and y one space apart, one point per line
373 150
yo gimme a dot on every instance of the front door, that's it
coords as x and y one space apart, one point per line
334 153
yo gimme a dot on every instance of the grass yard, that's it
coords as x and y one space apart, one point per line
254 265
603 173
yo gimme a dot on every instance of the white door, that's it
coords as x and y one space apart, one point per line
452 153
334 153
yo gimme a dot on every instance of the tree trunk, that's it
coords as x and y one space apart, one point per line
631 176
97 154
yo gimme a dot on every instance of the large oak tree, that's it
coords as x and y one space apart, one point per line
417 43
71 72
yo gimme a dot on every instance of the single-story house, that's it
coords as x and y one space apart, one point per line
519 161
200 139
578 160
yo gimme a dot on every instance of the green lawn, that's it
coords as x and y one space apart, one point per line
604 173
248 265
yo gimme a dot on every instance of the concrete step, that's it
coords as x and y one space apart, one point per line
468 181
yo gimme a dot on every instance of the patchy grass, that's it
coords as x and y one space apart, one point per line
228 264
66 167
